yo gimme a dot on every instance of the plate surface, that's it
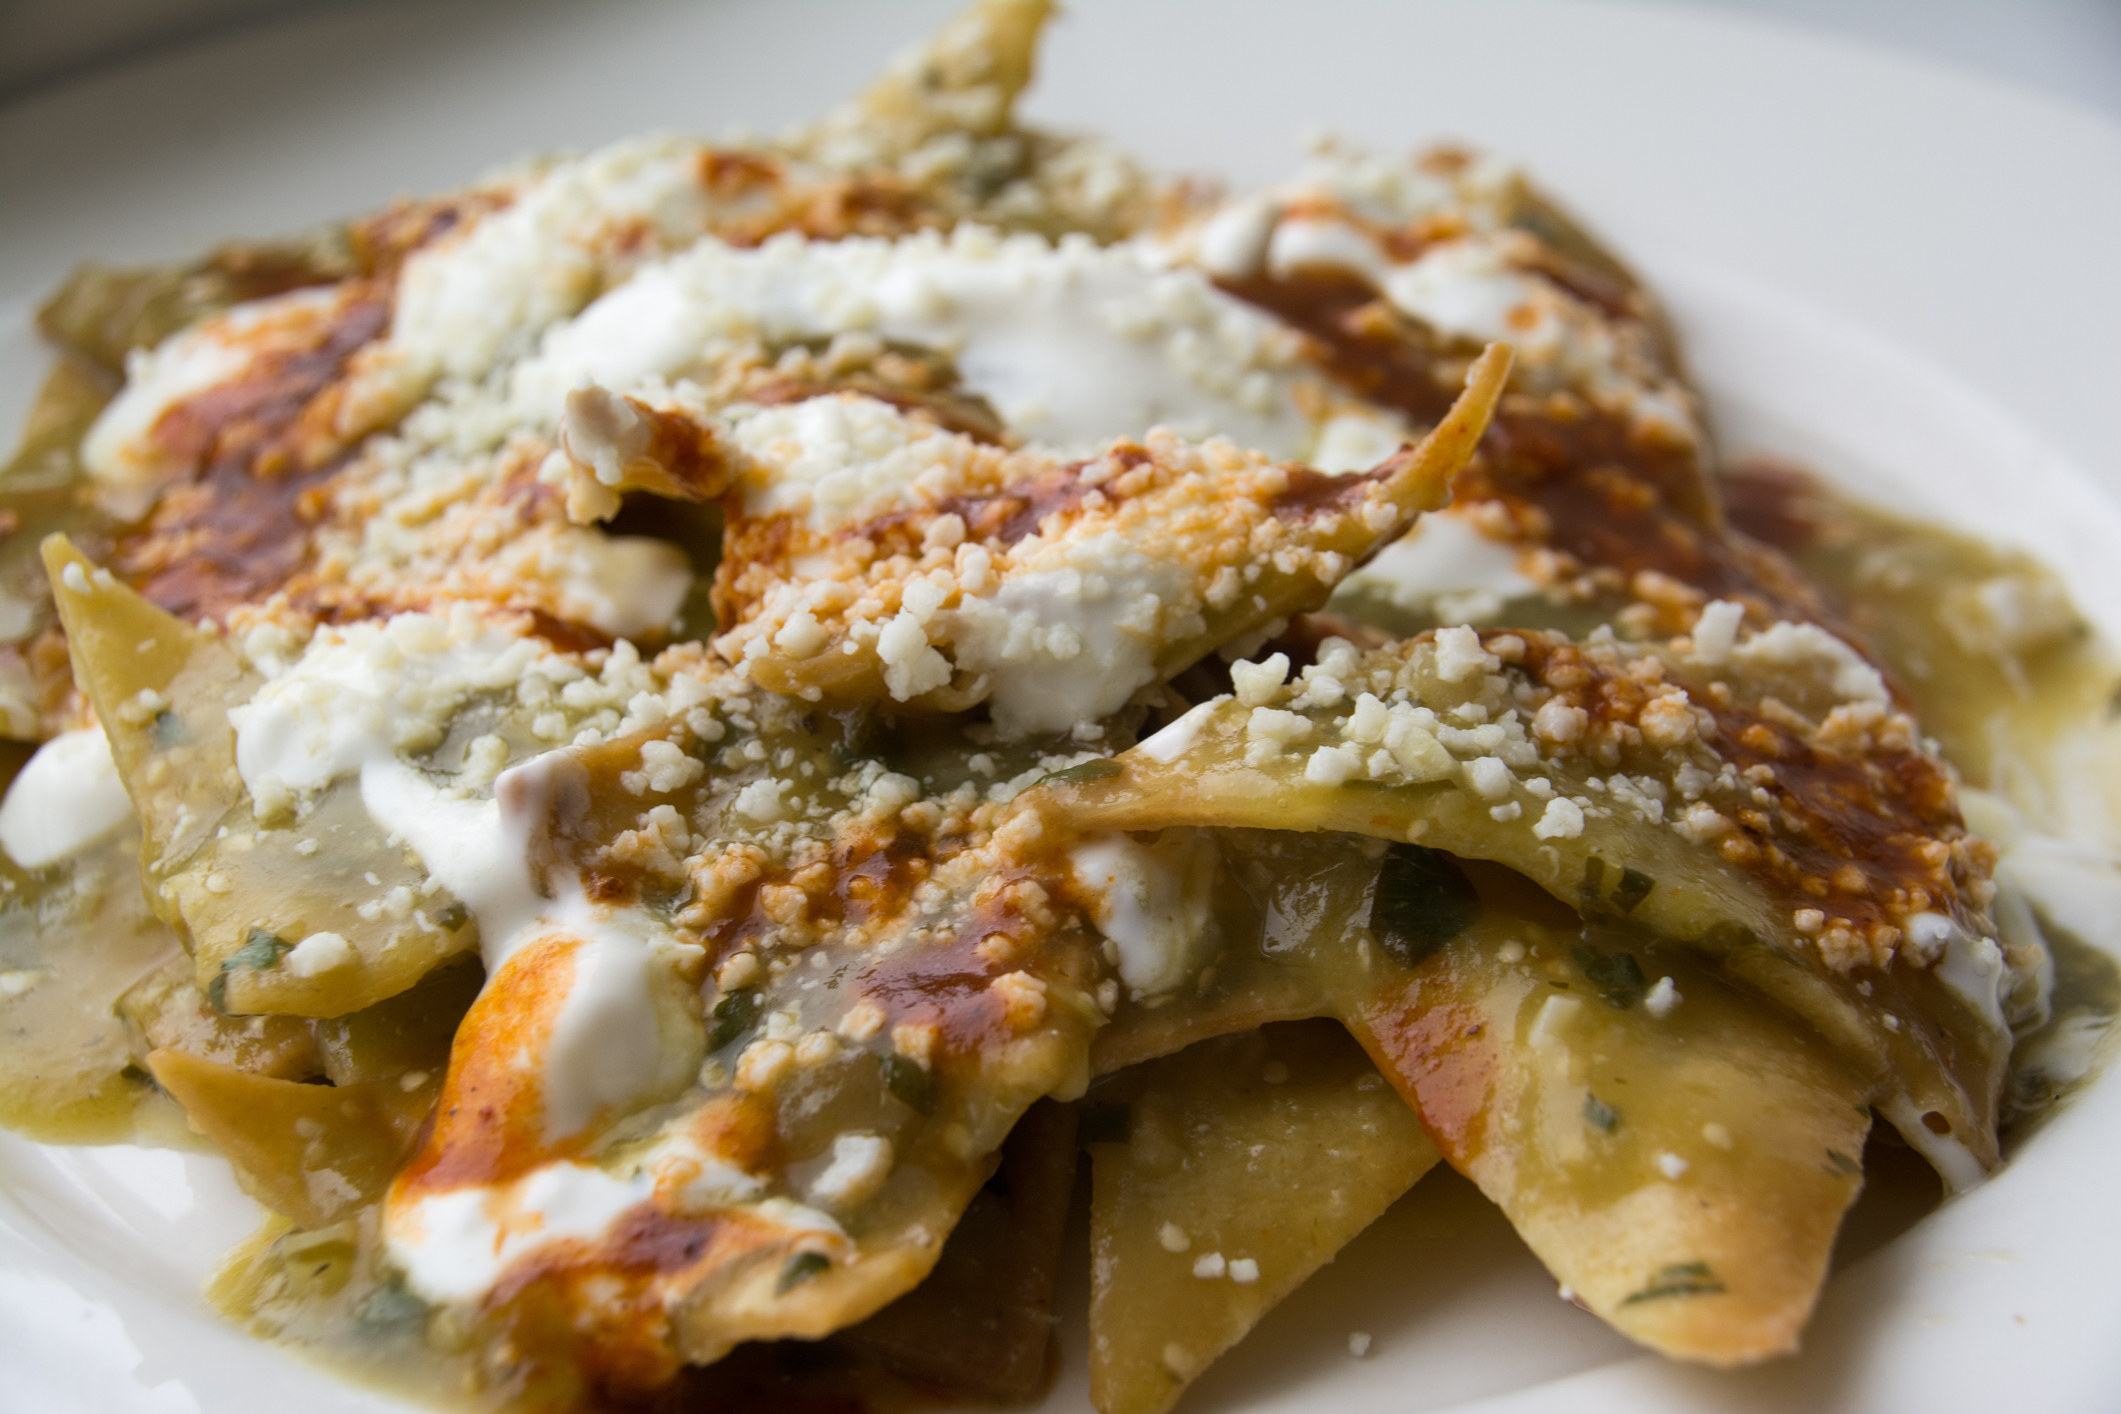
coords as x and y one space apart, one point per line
1898 273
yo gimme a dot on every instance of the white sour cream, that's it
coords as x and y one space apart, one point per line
65 798
1152 903
1072 343
1447 565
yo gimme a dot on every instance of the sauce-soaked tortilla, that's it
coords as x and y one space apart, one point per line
1756 801
860 964
881 984
241 894
1677 1155
933 603
1222 1178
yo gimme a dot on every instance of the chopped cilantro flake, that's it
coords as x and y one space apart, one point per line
1422 901
1615 976
909 1084
262 948
734 1014
1681 1279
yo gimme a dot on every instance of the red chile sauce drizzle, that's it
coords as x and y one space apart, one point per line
1576 478
238 527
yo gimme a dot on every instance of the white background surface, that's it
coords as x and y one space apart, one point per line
2064 48
1905 272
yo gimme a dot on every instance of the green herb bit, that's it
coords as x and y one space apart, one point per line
167 729
1600 1115
799 1269
1083 773
909 1083
452 916
1107 1123
734 1014
390 1305
1841 1165
1633 888
1422 901
1682 1279
1615 976
261 949
1592 890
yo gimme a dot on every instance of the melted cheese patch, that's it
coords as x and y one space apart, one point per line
1072 344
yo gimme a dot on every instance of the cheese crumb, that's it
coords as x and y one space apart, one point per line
320 953
1561 820
1173 1238
1459 655
1489 778
861 1021
1244 1271
1023 998
763 1064
1367 723
665 767
1210 1266
1270 731
1256 683
911 665
802 636
1716 631
1332 766
1557 722
1358 1343
1672 1166
1661 999
860 1164
761 800
1718 1135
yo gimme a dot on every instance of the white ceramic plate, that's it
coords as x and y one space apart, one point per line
1901 274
